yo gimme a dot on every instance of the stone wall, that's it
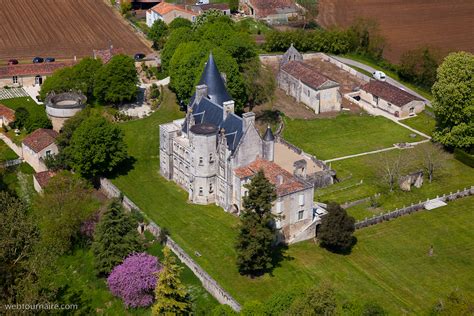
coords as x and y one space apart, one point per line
207 281
412 208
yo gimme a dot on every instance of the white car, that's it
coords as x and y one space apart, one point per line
379 75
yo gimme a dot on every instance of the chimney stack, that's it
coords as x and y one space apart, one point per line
228 108
201 91
248 119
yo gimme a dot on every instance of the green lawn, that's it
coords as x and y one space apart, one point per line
6 153
422 122
389 263
347 134
372 63
453 177
33 108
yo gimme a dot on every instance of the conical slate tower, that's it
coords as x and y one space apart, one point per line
212 78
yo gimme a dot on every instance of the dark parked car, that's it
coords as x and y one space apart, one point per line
13 62
49 59
139 56
38 60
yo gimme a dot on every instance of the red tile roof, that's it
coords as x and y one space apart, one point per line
106 54
306 73
40 139
264 8
164 8
43 177
389 93
32 69
7 113
274 173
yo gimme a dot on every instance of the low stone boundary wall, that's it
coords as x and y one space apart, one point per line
412 208
207 281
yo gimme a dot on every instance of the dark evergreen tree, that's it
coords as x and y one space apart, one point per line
115 238
336 228
257 232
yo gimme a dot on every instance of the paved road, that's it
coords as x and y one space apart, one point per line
371 70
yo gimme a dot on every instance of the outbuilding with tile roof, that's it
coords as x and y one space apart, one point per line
391 99
37 146
304 83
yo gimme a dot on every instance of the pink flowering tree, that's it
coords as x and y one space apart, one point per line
134 280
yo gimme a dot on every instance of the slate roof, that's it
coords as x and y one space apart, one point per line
389 93
289 183
212 78
32 69
40 139
306 73
209 110
7 113
264 8
268 134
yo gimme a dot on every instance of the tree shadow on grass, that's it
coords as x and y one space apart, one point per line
280 254
122 169
342 251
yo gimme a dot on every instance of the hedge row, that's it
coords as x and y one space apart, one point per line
464 157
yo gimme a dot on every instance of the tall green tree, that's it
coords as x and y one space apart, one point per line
115 237
453 101
170 293
66 202
96 148
157 33
419 66
176 37
257 232
116 81
337 228
18 237
180 22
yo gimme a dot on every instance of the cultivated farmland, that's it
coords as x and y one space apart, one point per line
445 24
62 29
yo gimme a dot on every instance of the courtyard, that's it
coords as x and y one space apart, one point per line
384 266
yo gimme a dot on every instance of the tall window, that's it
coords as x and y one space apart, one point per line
211 158
200 161
200 190
300 215
211 189
15 79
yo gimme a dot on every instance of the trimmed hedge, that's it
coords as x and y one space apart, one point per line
464 157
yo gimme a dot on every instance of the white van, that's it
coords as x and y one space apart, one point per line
379 75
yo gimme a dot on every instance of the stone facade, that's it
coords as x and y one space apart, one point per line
306 85
391 99
212 153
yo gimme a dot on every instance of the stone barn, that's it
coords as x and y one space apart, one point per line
307 85
391 99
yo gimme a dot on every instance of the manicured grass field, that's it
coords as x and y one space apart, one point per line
33 108
6 153
389 264
347 134
454 176
422 122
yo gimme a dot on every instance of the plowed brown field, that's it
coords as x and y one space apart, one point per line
407 24
62 29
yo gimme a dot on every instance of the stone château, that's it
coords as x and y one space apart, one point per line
212 153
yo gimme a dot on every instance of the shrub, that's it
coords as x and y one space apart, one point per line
464 157
134 280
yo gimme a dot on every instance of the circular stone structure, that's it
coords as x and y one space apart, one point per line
62 106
